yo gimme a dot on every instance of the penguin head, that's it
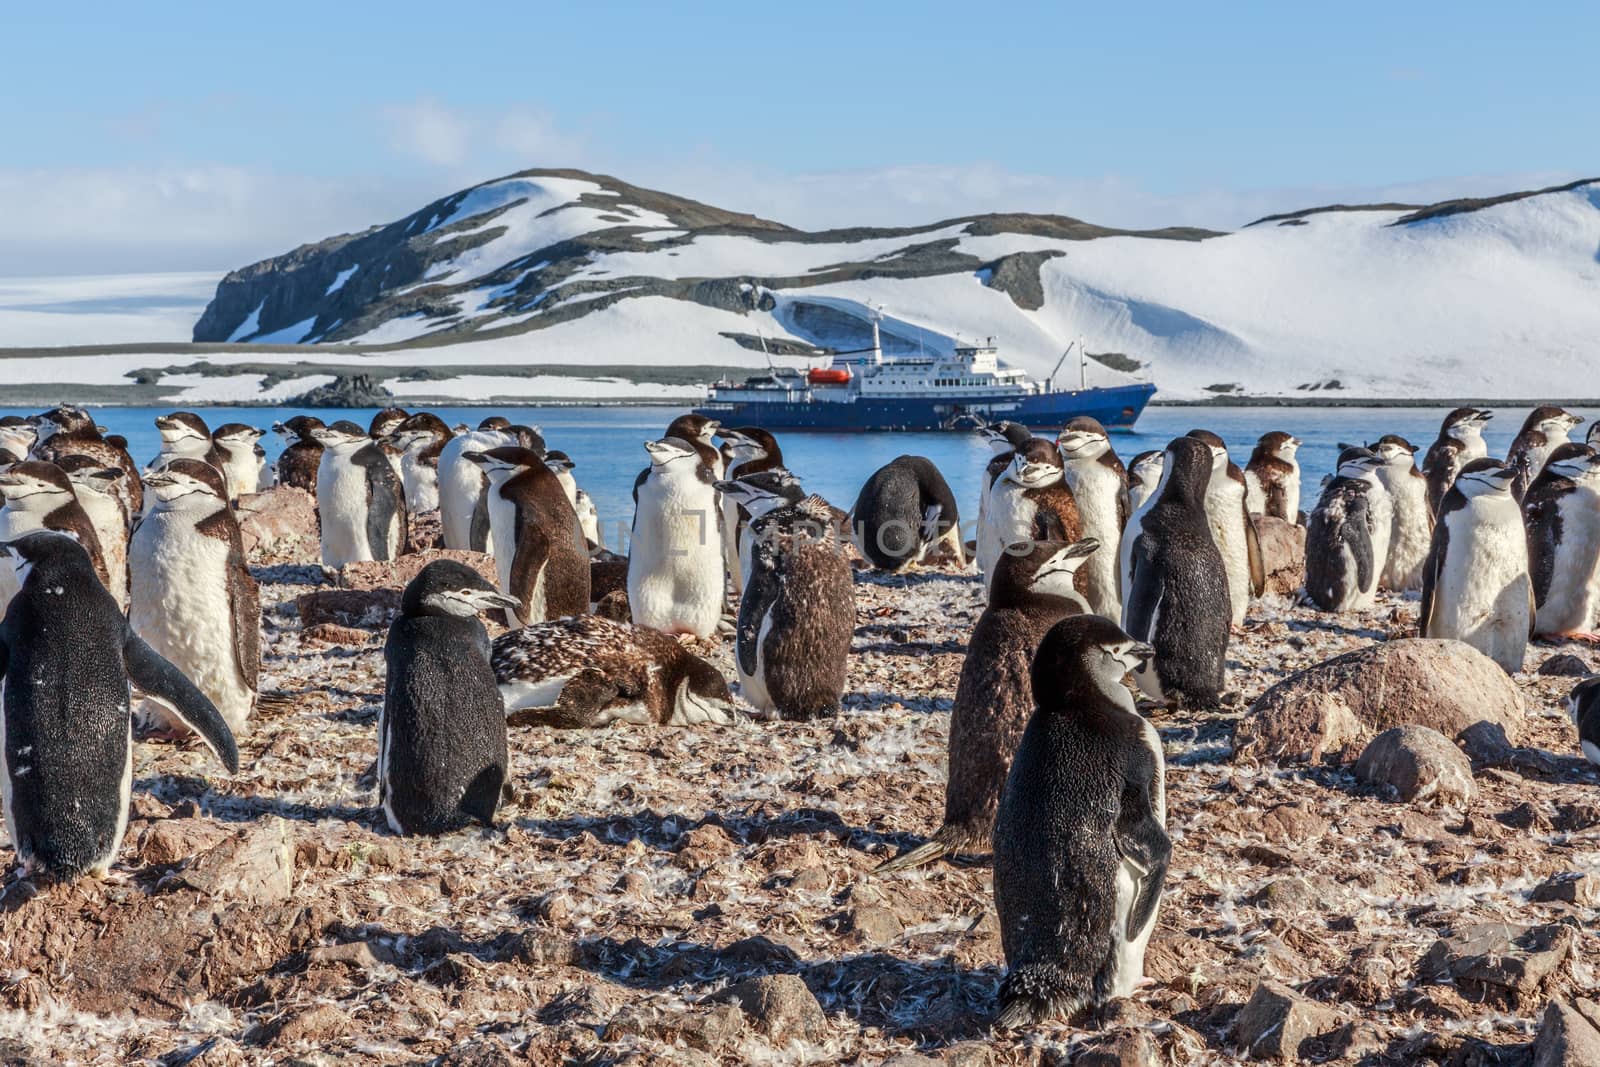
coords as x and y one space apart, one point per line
9 458
693 428
763 492
182 426
558 462
297 431
1036 464
1581 463
1185 470
1551 420
236 435
64 419
445 587
385 421
1277 445
741 446
702 692
1146 467
343 437
1485 477
1219 449
1465 424
1082 439
1357 463
670 450
1005 435
17 435
418 431
1039 568
506 462
34 484
186 483
529 437
88 476
494 422
1084 648
49 552
1395 451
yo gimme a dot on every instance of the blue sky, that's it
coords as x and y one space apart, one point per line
188 135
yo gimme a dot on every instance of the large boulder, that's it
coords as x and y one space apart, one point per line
1569 1034
1283 553
1419 764
1332 709
280 519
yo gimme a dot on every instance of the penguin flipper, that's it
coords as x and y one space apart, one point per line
1359 515
760 593
244 601
5 657
155 675
1143 597
1143 844
386 505
1252 544
582 699
926 852
532 553
1430 577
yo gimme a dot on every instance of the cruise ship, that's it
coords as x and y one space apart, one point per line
866 390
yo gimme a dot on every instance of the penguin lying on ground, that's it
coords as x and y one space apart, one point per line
1347 536
1583 704
191 595
797 615
1272 477
360 499
586 671
1562 516
1080 841
675 563
1460 441
1475 587
66 657
38 496
540 552
442 760
1029 501
419 439
302 453
1144 474
1545 429
1411 523
235 444
903 510
1099 485
1177 591
1235 534
1034 588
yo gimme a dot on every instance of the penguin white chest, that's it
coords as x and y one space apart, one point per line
1572 602
421 483
1010 518
342 503
1097 490
675 560
1225 515
1483 589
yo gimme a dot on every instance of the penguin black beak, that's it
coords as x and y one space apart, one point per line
476 457
1142 652
485 599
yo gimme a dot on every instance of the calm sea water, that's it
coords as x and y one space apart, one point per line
607 443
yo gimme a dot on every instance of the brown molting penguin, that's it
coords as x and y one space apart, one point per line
302 453
797 615
1460 441
1272 477
1545 429
698 431
586 671
540 551
1033 590
35 495
69 431
1030 501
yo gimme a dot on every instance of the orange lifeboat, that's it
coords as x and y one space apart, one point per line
829 376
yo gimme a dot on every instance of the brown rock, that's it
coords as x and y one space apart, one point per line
1564 665
331 633
781 1007
1445 685
874 925
348 607
1569 887
1419 764
1283 553
255 865
395 574
1498 958
424 531
1126 1048
1569 1034
175 840
281 518
1277 1021
319 1024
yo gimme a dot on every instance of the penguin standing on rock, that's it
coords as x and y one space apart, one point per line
360 499
903 510
541 557
1411 524
1562 516
191 595
1034 588
1144 474
301 457
1476 587
1347 536
1099 485
39 496
95 488
1236 537
675 564
1177 591
1545 430
442 760
1272 477
1030 501
1080 840
1460 441
419 439
66 740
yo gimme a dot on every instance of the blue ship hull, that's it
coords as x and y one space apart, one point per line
1115 407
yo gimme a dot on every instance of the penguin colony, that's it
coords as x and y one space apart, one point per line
1102 582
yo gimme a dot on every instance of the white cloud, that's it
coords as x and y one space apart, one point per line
488 142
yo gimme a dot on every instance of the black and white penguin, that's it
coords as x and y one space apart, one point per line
464 488
66 735
95 488
903 510
1177 589
1080 841
586 671
360 499
35 495
1003 438
442 760
1583 704
1460 441
1099 485
1476 587
1229 517
561 465
69 431
191 595
1411 519
746 450
1029 501
1347 536
1272 477
301 457
797 615
419 439
756 495
17 436
1545 429
241 467
540 553
386 421
676 578
1144 474
698 431
1034 588
1562 516
185 435
1593 437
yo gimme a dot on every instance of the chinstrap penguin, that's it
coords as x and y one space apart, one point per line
1003 439
301 457
1229 517
747 450
66 735
676 580
35 495
1562 516
69 431
1144 474
464 488
1099 485
1029 501
241 467
1460 441
419 439
1411 522
1347 536
1272 477
561 465
1545 429
360 498
904 509
698 431
442 760
541 557
756 495
95 488
185 435
1080 842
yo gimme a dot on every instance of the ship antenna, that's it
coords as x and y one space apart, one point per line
764 350
1083 366
1050 382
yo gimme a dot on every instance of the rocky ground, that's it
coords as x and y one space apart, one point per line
660 895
